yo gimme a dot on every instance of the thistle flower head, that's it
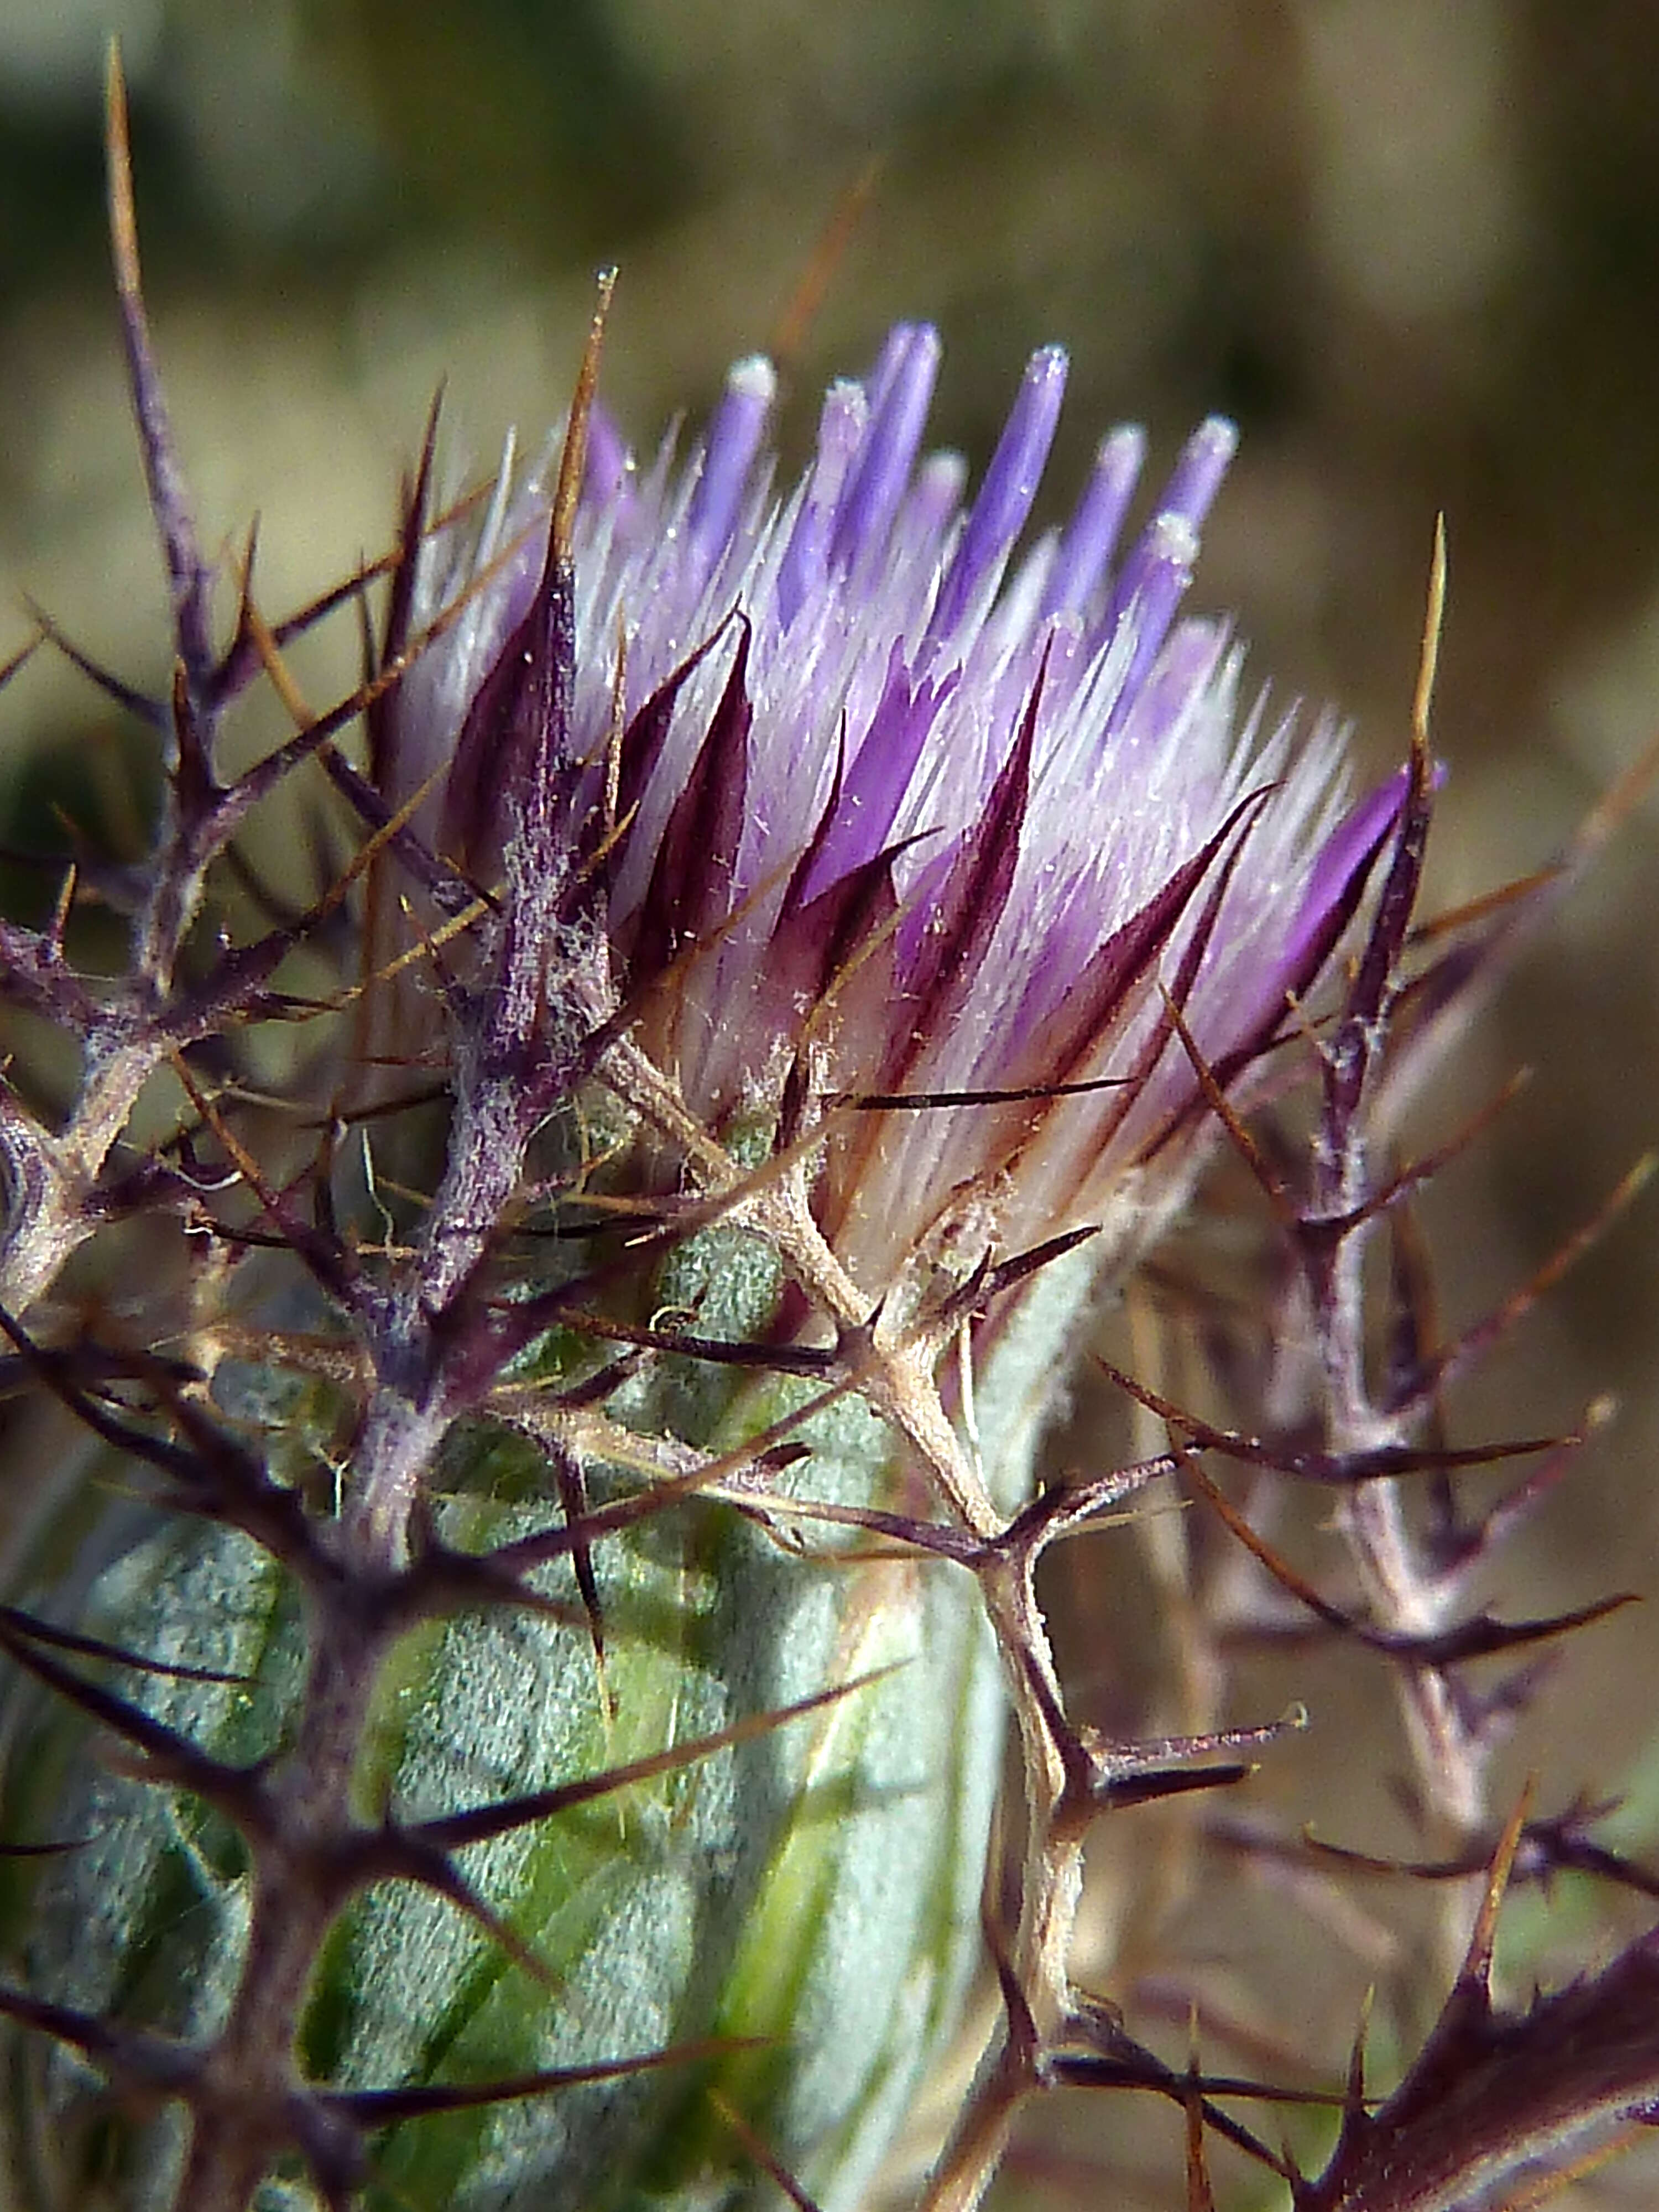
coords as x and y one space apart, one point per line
885 808
584 1795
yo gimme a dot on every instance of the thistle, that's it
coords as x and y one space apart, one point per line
554 1545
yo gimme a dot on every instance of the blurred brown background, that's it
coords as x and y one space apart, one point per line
1412 245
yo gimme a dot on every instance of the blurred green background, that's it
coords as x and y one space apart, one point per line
1412 245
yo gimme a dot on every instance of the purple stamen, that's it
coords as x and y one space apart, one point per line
1155 577
895 350
1172 535
1090 537
1197 475
900 393
843 422
1006 496
1164 562
734 438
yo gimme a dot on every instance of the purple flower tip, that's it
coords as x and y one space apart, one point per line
1004 500
734 438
